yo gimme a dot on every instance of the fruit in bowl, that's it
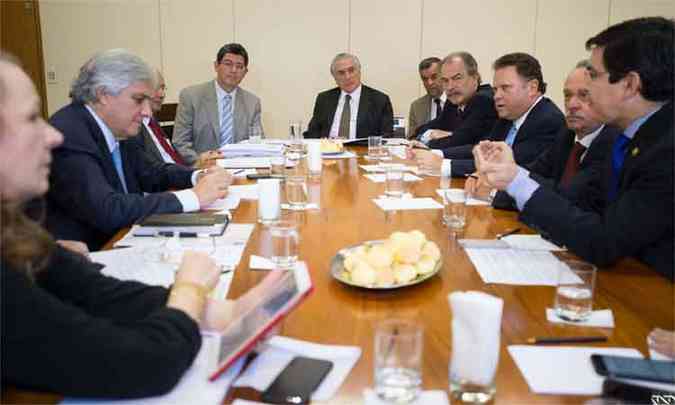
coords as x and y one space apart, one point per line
399 260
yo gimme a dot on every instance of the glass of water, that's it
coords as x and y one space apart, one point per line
574 292
285 240
394 186
296 139
398 360
454 208
374 147
254 133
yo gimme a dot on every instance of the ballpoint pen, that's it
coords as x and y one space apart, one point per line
559 340
473 176
507 233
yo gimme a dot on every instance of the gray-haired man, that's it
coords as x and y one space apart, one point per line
351 110
100 174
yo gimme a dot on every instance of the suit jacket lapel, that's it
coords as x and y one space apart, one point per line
212 108
239 115
362 115
103 151
524 129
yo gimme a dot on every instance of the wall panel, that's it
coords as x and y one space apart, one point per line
487 29
72 31
388 43
626 9
192 33
562 30
291 44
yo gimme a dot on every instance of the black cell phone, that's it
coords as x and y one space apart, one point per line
631 367
297 381
630 393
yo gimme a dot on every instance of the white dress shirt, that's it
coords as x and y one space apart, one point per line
353 110
187 198
432 107
165 156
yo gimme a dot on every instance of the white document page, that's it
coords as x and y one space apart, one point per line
563 370
531 242
280 351
193 388
395 204
517 267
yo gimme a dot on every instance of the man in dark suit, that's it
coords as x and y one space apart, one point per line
471 112
351 110
100 173
528 120
632 88
579 150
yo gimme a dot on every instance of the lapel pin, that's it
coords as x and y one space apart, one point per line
635 151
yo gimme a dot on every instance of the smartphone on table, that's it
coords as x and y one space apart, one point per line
295 384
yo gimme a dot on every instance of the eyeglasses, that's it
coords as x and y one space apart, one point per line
236 66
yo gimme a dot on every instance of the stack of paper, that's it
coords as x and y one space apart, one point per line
251 150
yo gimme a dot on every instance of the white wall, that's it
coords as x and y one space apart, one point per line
291 42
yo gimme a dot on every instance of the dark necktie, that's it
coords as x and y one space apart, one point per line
343 130
618 156
159 136
437 101
572 165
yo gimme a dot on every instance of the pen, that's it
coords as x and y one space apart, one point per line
557 340
170 234
507 233
473 176
237 171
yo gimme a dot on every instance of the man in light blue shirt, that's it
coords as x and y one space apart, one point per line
632 89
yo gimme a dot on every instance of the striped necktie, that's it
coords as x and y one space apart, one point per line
226 121
117 161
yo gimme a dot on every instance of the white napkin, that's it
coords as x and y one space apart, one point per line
476 324
280 351
395 204
469 200
435 397
380 177
308 206
598 319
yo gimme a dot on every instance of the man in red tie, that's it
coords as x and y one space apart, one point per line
580 148
157 146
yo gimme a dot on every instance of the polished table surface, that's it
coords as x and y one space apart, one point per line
342 315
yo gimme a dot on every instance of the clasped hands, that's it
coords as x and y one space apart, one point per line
495 168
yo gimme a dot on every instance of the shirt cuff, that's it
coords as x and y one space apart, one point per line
188 199
437 152
195 174
522 187
424 138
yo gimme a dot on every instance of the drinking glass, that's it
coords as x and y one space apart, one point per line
454 208
285 240
277 165
374 147
314 159
296 139
254 134
394 185
296 181
574 292
398 360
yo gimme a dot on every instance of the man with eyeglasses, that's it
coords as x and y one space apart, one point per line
218 112
351 110
631 88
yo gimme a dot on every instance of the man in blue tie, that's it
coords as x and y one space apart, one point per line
101 179
528 120
631 88
218 112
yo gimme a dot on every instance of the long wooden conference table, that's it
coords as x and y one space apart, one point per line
343 315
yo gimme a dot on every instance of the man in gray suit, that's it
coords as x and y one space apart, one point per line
218 112
430 105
